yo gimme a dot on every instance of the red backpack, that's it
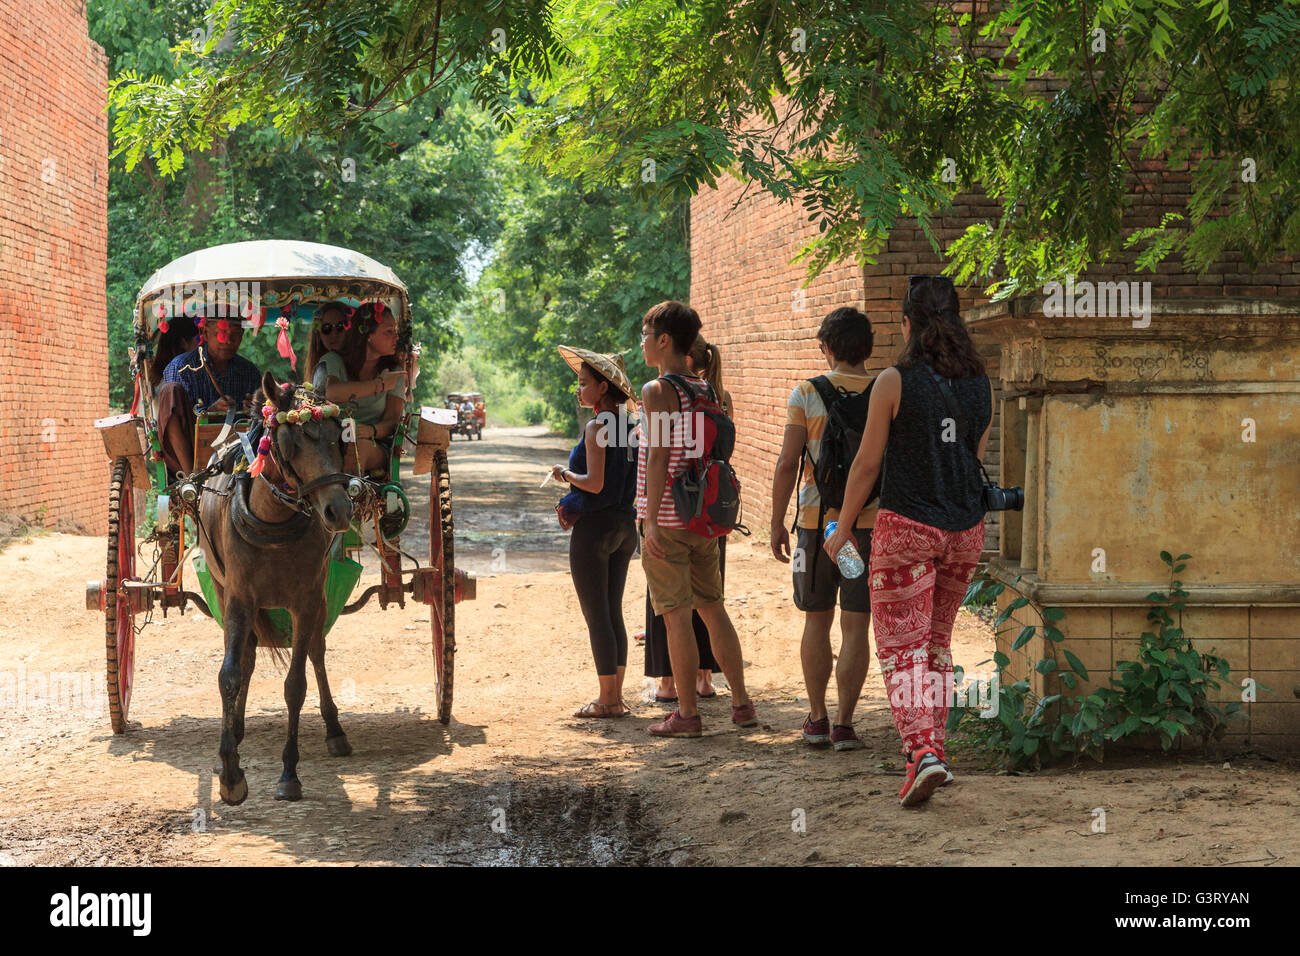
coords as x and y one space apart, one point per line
707 493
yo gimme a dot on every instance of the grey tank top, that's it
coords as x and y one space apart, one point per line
927 479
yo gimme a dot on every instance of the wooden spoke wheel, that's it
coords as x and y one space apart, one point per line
119 608
442 612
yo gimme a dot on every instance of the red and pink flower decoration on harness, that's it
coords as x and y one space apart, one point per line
273 417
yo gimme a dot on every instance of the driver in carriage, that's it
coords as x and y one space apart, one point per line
211 379
366 373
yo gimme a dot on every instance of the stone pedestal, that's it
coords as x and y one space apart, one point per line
1183 435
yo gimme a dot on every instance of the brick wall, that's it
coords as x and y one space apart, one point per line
53 249
753 306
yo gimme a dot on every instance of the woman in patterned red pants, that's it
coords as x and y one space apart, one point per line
929 421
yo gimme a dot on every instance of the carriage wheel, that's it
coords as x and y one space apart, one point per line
119 611
443 610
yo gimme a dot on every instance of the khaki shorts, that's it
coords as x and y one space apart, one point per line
687 575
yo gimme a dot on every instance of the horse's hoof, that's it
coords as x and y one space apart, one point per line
338 746
288 790
237 794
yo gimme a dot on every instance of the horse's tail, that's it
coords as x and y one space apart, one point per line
269 637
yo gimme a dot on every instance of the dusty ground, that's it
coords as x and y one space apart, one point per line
514 779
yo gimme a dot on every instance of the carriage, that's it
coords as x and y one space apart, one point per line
471 414
267 284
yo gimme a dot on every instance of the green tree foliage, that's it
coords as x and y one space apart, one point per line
858 110
866 114
310 68
419 196
578 267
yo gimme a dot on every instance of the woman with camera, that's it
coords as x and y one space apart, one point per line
929 420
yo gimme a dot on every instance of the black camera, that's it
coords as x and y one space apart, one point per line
1003 499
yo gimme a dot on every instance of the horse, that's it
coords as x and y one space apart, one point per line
267 548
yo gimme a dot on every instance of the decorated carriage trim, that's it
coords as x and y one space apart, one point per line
302 298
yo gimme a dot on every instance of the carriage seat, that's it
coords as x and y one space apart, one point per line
206 432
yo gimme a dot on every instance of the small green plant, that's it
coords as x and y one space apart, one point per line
1165 691
1026 730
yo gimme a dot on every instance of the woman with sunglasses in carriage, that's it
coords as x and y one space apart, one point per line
367 373
329 333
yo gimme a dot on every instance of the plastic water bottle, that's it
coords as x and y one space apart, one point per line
848 559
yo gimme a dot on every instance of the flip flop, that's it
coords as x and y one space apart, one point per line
597 709
706 696
665 700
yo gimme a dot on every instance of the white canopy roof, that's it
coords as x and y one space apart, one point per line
268 260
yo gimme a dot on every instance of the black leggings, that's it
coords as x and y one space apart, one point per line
600 550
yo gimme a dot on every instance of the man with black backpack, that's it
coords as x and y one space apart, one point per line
825 418
687 496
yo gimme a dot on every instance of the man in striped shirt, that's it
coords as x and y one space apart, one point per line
681 567
845 338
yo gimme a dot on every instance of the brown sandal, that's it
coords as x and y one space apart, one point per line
597 709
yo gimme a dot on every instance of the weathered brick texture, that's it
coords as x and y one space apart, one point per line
754 307
53 253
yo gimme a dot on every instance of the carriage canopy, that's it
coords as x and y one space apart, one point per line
271 273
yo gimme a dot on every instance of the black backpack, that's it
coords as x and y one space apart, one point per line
846 420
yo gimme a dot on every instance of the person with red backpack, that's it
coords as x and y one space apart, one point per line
825 418
687 497
705 361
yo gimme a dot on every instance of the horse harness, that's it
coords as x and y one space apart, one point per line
253 529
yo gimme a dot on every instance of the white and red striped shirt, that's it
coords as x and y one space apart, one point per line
678 461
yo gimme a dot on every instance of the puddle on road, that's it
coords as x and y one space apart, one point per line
525 824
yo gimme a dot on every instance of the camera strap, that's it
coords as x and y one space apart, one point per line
954 410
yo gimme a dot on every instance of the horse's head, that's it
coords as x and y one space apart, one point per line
310 454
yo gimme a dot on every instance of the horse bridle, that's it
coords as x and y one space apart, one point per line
296 499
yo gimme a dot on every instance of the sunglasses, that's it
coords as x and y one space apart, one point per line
328 328
942 284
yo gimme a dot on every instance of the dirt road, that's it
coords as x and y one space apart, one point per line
514 779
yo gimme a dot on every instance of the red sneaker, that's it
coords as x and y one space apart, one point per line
675 725
817 732
744 715
844 737
925 774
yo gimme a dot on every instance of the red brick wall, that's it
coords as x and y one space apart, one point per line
53 249
743 286
755 308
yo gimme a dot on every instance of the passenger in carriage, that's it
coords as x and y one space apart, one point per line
329 333
367 374
181 336
210 379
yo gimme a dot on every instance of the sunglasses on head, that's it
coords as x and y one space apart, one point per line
943 285
326 328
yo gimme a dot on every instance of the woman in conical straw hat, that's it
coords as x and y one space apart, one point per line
599 509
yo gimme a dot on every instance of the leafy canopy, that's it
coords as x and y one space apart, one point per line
574 265
421 196
867 114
